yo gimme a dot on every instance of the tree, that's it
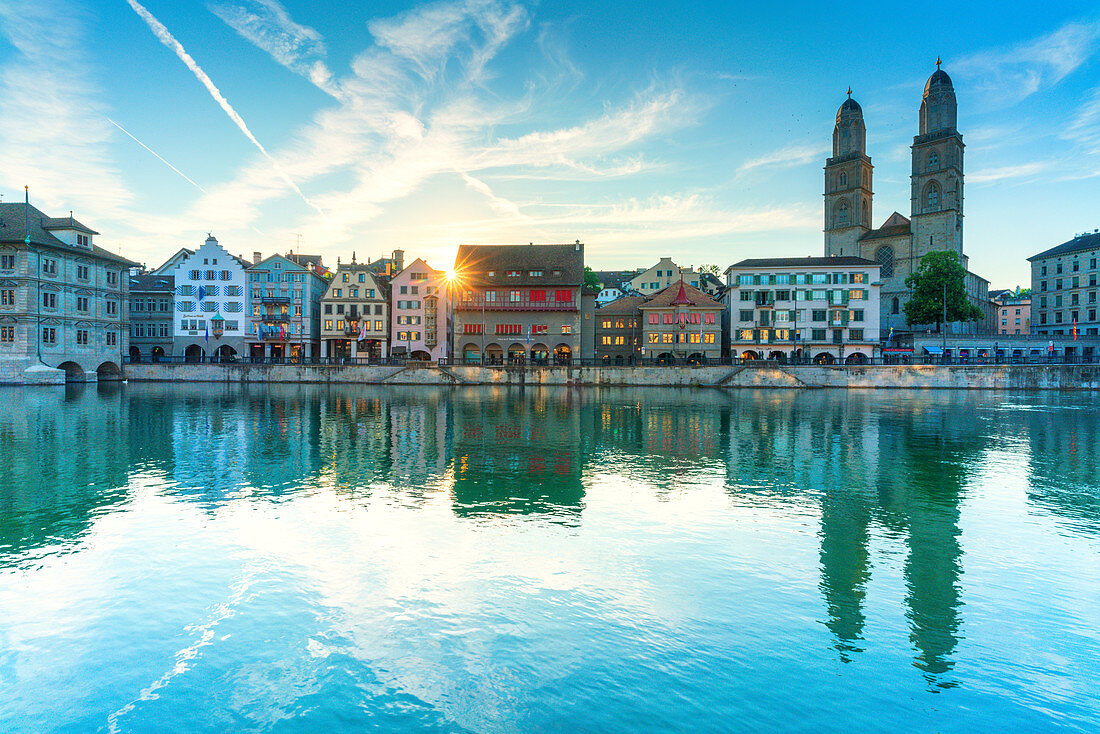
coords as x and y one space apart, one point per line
590 279
1023 292
712 269
938 285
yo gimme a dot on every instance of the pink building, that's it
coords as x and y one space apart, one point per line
419 323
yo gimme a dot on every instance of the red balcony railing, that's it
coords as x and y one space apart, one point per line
476 304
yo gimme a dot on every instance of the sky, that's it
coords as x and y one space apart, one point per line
697 131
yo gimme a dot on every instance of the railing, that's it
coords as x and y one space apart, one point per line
521 305
887 361
275 299
276 317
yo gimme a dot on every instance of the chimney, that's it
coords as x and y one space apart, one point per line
256 257
577 246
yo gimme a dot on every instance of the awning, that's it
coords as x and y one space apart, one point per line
933 350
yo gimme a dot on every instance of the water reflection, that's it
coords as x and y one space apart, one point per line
861 465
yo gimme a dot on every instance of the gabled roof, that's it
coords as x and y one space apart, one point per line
16 216
680 291
896 225
1086 241
152 282
411 265
182 254
621 306
282 258
474 262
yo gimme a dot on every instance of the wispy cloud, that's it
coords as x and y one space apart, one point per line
55 136
788 157
1009 75
1017 171
267 25
1085 128
158 155
169 40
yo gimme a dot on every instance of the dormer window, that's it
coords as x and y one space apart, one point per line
492 273
513 273
534 274
83 240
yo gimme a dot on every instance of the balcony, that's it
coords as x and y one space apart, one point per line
351 328
275 300
477 304
276 318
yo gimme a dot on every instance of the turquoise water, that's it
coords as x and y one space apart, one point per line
304 558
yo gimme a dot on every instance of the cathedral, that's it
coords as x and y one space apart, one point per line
935 222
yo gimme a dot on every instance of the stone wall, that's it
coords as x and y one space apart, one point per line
1030 377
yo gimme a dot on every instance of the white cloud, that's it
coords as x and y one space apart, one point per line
1020 170
1085 128
1006 76
788 157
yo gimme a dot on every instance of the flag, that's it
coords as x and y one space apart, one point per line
1075 330
207 337
891 335
362 330
202 292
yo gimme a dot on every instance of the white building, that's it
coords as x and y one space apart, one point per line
607 295
211 298
824 309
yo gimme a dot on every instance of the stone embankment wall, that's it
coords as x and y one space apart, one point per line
1033 377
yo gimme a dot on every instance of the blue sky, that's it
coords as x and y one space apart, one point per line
644 129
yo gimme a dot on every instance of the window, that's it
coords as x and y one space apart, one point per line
82 303
856 295
328 324
842 179
404 290
112 308
567 328
112 338
49 335
534 273
856 315
7 262
379 326
653 338
841 214
49 266
817 335
7 334
513 273
538 296
932 197
49 300
538 328
563 296
82 272
515 296
471 329
193 275
817 315
746 316
933 161
7 297
855 334
82 336
509 329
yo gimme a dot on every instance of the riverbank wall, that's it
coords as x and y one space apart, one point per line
957 377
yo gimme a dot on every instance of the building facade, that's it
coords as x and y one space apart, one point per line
285 309
356 314
660 276
517 303
681 323
419 313
936 203
64 301
152 313
824 309
211 316
1064 287
619 331
1013 313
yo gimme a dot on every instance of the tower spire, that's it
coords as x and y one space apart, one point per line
938 62
849 91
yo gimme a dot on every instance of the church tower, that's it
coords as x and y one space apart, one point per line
937 179
847 183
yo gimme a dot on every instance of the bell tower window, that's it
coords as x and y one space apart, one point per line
840 215
841 180
933 161
932 197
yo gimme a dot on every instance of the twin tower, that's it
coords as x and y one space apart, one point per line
935 223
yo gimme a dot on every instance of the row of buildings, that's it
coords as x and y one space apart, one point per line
67 303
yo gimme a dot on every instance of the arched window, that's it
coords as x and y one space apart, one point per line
933 161
840 214
895 306
866 214
932 197
841 180
884 256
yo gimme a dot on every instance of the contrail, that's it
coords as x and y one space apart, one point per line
143 145
169 40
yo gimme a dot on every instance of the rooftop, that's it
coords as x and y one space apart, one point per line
474 262
806 262
681 292
16 216
1086 241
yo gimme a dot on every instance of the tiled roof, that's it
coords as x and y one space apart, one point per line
895 226
808 262
151 282
668 296
13 230
65 223
1082 242
474 262
620 306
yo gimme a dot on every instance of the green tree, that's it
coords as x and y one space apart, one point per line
712 269
938 284
590 279
1023 292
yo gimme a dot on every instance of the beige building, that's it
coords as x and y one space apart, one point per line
661 276
681 323
936 203
355 315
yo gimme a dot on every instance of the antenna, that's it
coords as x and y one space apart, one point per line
298 247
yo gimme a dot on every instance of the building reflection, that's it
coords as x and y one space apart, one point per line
517 454
900 464
1064 443
64 458
355 438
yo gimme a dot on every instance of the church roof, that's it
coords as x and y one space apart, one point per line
939 78
895 226
1086 241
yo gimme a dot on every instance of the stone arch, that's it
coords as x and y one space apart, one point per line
856 358
471 353
696 358
73 372
517 353
563 353
225 352
494 353
777 356
193 353
884 256
421 356
749 354
824 358
842 214
157 353
135 353
540 353
932 196
108 371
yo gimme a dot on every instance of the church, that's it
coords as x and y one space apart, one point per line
935 222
